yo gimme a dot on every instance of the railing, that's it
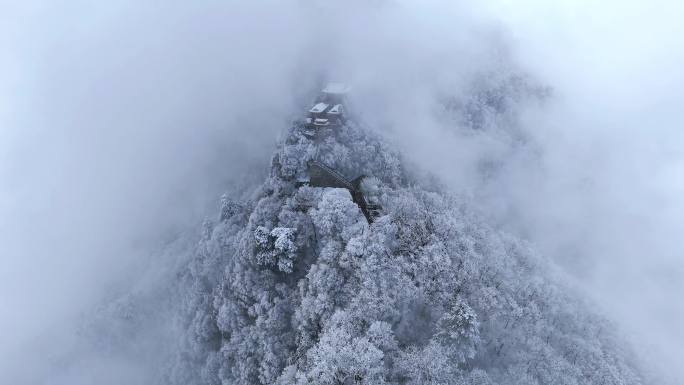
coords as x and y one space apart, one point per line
339 178
318 179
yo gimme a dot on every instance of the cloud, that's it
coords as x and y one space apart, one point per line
596 186
122 122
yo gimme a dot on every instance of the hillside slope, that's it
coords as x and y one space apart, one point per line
294 286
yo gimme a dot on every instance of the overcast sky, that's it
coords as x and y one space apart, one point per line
122 122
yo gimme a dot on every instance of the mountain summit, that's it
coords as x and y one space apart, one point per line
302 284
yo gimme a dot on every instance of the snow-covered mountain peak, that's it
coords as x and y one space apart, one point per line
300 286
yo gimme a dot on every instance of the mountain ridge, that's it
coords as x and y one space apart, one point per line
297 288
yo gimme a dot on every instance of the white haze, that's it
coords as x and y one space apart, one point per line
121 123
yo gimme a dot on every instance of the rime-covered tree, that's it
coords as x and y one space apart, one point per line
293 286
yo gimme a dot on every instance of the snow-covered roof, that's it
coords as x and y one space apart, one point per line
318 108
337 109
336 88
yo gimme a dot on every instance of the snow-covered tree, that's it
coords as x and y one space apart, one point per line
293 286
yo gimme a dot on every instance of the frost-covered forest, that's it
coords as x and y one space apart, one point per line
293 286
496 200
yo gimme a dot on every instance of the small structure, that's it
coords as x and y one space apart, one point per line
334 94
328 110
336 91
318 115
302 180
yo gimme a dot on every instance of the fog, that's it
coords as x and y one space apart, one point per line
122 123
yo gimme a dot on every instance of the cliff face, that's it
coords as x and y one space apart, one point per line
294 286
